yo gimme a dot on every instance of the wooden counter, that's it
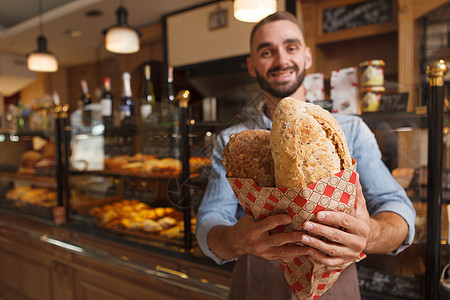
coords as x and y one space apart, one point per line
42 261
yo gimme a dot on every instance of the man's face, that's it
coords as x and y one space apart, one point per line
279 57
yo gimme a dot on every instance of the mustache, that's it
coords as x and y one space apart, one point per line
277 69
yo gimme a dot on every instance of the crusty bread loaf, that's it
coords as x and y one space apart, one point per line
247 155
30 158
307 144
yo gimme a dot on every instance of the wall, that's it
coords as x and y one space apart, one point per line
47 84
151 49
190 39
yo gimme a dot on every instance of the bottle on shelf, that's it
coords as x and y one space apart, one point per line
46 111
106 104
26 111
168 99
11 118
147 109
20 118
127 114
85 101
35 117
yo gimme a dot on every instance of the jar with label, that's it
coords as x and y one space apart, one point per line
371 73
370 98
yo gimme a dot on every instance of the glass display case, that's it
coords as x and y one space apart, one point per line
32 167
132 183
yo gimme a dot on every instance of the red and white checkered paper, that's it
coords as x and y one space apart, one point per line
307 278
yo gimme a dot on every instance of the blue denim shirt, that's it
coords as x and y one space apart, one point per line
220 206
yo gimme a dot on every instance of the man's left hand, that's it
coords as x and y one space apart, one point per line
347 235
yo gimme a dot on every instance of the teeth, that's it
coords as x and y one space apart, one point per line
284 74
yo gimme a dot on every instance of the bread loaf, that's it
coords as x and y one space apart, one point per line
247 155
307 144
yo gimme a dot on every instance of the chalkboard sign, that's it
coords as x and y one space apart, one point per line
394 102
356 15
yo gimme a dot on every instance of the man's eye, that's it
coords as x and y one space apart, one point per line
265 53
292 48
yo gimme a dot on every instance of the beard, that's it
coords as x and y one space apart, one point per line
280 90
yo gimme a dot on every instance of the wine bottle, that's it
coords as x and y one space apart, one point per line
127 117
148 98
85 101
106 104
167 102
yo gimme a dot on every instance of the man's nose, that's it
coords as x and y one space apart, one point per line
282 58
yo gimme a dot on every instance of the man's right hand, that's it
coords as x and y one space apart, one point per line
251 237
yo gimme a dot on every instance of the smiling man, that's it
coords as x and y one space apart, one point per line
279 59
384 216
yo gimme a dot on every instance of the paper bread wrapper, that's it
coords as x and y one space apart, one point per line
307 278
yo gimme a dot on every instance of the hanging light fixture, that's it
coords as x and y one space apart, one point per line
253 10
121 38
42 60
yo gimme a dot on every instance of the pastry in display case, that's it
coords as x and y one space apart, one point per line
28 176
152 165
138 195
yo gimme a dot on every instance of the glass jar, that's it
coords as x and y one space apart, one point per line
370 98
371 73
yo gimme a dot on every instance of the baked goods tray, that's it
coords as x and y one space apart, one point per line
173 235
158 176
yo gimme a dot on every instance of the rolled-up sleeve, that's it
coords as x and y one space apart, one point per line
219 204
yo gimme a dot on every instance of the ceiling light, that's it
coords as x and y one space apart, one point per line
42 60
253 11
121 38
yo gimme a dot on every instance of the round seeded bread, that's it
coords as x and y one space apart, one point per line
307 144
247 155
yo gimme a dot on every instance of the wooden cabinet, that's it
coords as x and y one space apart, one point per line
396 41
39 261
32 270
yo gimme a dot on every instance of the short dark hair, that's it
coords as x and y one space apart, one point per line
277 16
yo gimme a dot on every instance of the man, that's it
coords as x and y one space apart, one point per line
384 217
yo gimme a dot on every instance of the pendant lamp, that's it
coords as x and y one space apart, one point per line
121 38
42 60
252 11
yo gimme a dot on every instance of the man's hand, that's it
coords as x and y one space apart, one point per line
250 237
350 235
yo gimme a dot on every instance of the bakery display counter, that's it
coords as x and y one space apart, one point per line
71 262
30 180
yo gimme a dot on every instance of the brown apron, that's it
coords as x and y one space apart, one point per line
257 278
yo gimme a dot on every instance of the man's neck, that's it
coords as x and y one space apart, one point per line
272 102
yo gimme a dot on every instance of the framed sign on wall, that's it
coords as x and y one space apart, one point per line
354 19
218 19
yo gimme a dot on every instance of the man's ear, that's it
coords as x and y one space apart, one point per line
250 67
308 58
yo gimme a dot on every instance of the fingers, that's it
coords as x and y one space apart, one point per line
335 220
332 248
330 261
287 252
273 221
339 228
284 238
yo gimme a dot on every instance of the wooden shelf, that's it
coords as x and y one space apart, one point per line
350 34
43 181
